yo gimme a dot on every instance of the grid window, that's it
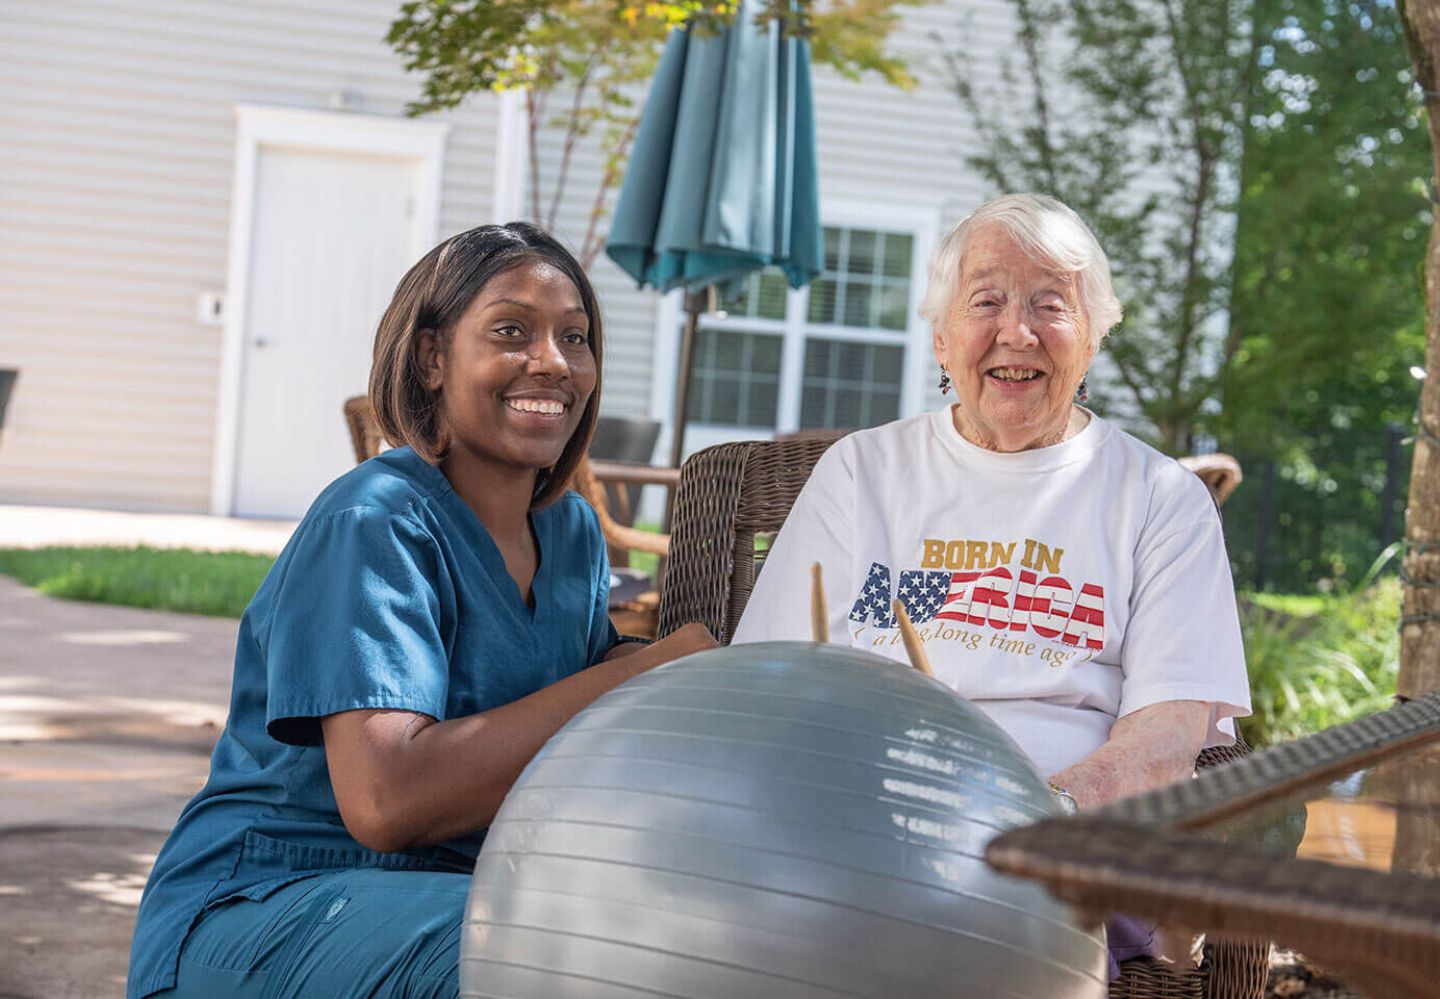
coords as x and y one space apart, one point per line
736 378
848 385
763 296
866 282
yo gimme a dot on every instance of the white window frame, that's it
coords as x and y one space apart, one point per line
260 126
921 223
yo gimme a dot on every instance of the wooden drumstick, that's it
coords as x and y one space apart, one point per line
819 620
913 646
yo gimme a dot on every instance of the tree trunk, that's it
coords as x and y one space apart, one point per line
1420 626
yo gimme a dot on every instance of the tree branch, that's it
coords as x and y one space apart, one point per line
591 247
572 134
1030 42
532 114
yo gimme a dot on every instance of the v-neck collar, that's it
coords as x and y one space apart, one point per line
489 552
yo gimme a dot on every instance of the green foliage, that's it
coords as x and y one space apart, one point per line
1139 130
1328 307
1319 661
195 582
1327 311
599 52
1297 122
491 45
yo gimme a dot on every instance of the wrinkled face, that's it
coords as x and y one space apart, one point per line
1016 342
518 370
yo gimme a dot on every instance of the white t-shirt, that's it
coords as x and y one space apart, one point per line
1057 588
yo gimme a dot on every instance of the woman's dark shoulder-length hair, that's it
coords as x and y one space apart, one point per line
432 297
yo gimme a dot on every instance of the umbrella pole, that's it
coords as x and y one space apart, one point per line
696 302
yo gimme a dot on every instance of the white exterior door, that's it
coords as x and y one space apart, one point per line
333 233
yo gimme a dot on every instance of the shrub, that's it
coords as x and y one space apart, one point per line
1319 661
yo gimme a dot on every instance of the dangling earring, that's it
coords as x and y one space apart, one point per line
1081 394
944 380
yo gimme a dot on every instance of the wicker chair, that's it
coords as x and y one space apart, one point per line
638 617
1220 473
364 434
730 495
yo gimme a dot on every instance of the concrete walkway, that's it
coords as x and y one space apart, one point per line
107 718
38 526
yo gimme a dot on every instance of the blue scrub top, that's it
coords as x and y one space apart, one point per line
391 594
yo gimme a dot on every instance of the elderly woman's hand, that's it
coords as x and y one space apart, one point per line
1149 748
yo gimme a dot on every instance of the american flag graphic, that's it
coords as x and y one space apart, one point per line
921 592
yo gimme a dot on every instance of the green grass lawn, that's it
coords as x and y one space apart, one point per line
175 579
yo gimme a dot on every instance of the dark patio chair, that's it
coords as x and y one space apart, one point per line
730 495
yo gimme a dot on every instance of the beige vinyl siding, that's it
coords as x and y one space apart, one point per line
117 144
117 133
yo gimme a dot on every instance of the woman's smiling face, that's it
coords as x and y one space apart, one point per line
1016 342
518 370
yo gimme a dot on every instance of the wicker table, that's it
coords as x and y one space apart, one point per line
1329 845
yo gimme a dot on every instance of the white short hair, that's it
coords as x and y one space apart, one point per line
1051 233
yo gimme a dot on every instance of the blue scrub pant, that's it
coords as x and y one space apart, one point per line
351 933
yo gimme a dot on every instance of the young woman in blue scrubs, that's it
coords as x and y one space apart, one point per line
439 613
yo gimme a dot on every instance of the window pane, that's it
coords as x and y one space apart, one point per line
885 368
812 409
822 301
866 283
726 350
893 308
769 298
739 303
817 362
857 305
897 255
832 249
862 252
735 379
764 354
850 385
724 399
848 402
763 397
762 296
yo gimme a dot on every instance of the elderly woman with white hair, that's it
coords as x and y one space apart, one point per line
1067 578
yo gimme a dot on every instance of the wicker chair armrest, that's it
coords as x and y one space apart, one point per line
636 540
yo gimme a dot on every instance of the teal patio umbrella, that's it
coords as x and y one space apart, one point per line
722 177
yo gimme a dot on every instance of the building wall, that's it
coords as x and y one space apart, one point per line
116 160
117 134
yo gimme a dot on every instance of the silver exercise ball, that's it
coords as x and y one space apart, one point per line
774 820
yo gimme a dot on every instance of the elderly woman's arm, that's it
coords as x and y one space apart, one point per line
1148 748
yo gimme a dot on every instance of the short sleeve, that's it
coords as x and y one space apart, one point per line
356 623
817 529
1182 642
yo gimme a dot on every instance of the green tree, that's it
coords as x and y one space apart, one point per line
1273 294
1327 304
592 56
1326 312
1137 126
1420 625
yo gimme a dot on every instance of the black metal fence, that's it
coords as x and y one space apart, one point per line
1317 516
